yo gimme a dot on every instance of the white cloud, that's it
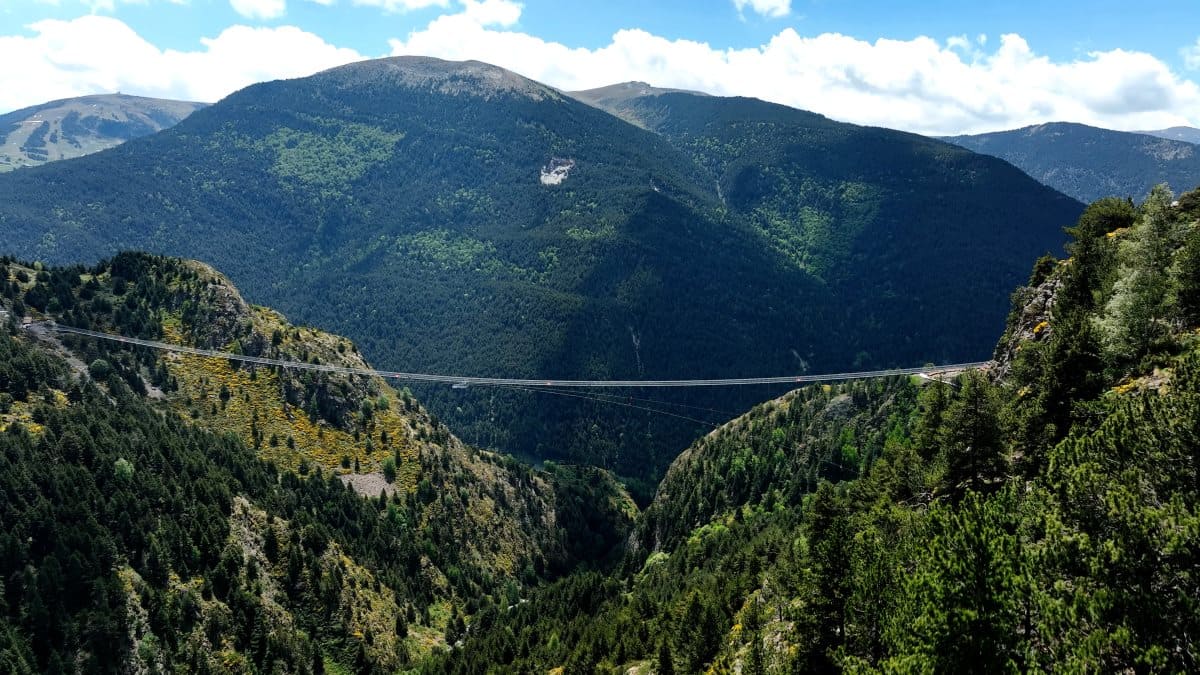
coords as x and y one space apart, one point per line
923 85
771 8
402 5
502 13
1191 55
96 54
259 9
108 6
958 42
917 85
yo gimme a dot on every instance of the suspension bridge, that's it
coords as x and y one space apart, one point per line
459 381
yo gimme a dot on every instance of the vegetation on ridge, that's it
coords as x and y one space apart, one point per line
266 560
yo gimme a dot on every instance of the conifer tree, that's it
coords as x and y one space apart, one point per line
1185 275
971 436
1134 317
665 665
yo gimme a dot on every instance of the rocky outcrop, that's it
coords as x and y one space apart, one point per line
1033 308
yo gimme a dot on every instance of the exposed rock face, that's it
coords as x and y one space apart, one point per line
556 170
1031 322
228 321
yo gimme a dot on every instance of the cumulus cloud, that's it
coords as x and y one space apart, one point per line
955 85
919 85
259 9
771 8
96 54
1191 55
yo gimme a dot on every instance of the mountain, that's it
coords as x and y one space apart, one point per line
1187 134
204 512
74 127
855 208
1089 163
622 100
1042 515
458 218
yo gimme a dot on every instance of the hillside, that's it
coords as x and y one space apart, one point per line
74 127
1187 134
622 100
400 527
457 218
1088 163
1040 516
890 222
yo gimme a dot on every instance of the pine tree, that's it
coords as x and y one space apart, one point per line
1092 263
1134 317
933 402
964 603
830 540
971 436
756 661
1185 278
665 665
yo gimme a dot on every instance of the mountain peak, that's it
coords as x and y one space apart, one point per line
471 78
625 91
621 100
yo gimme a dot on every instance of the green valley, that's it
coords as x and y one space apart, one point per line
246 519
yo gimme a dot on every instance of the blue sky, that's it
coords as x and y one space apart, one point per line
933 67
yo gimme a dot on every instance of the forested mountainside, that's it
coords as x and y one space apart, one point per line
79 126
1090 163
168 512
894 224
1189 134
1043 514
457 218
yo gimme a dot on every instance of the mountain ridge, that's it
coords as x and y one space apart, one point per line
1181 133
73 127
1090 163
